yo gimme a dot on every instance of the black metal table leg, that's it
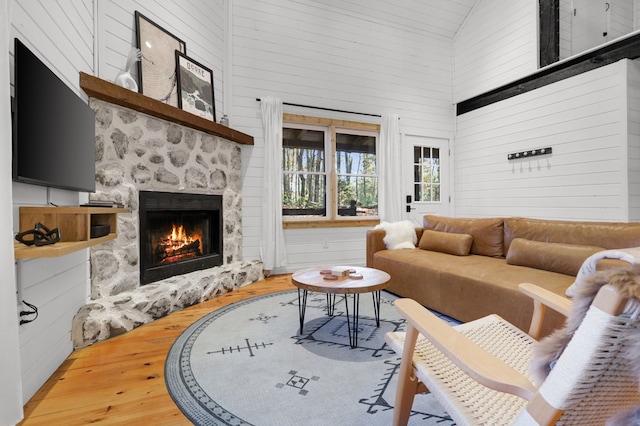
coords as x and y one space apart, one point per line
302 307
331 301
376 306
353 335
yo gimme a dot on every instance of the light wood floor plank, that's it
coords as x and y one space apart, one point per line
121 380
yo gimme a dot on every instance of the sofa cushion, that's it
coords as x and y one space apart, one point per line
487 233
605 259
446 242
610 235
556 257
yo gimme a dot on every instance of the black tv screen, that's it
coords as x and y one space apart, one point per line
53 128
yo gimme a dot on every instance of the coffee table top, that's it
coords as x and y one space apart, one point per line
312 280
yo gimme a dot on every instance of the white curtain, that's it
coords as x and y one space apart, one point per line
10 376
272 246
389 170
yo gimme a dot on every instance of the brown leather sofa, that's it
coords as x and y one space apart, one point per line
467 268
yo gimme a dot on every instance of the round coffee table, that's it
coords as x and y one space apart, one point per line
372 280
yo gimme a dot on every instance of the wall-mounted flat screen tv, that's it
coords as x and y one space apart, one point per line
53 128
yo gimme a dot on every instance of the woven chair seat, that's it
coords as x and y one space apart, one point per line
461 396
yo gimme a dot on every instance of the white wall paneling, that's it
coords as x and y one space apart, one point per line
330 246
334 55
60 34
492 50
633 146
620 18
584 120
199 23
58 288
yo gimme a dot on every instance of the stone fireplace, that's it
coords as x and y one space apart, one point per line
140 160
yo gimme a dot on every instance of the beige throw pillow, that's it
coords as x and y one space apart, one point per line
555 257
487 233
446 242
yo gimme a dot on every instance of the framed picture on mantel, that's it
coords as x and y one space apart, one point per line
195 87
157 66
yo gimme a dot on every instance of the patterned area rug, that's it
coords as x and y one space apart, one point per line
247 364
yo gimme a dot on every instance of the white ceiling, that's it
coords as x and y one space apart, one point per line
438 17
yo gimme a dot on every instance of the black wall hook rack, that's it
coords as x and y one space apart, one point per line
529 153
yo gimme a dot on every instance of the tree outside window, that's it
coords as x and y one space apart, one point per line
329 170
426 173
356 173
303 172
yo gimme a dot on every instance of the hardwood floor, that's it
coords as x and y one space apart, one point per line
121 380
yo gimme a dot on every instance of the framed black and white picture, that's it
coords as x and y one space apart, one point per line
157 66
195 87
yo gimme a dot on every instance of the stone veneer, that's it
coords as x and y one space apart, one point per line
134 152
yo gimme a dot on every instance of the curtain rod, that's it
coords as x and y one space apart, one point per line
327 109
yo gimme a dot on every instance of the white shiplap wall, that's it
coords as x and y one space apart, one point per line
61 34
633 145
620 19
497 44
312 53
58 288
199 23
584 120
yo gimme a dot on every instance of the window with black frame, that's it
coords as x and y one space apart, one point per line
329 172
356 173
303 172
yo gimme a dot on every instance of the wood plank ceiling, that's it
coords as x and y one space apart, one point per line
441 18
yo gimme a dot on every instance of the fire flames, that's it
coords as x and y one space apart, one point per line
178 237
178 245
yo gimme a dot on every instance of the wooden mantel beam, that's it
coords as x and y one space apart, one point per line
110 92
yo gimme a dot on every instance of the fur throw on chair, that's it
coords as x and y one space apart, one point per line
549 349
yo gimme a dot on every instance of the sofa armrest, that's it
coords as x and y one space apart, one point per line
375 242
543 299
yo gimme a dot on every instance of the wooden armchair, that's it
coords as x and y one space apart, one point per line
479 371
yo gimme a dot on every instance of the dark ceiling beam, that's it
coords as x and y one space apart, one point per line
626 48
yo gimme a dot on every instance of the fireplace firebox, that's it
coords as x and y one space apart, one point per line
179 233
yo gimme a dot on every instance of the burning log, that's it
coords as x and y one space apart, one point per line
193 247
176 246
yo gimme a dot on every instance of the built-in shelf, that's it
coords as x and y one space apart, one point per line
110 92
75 228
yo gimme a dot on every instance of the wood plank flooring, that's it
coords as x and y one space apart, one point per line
121 380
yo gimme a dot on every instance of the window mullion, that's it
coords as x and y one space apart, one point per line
332 181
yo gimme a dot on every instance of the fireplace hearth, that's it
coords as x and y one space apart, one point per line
179 233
